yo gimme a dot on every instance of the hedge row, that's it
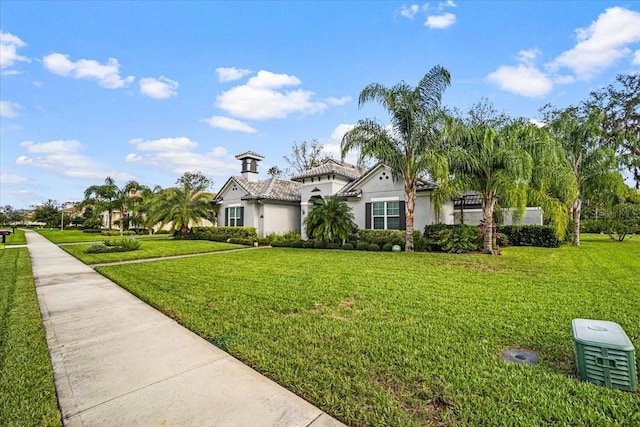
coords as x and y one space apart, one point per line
222 234
530 235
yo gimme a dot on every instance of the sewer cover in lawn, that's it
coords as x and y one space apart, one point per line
518 355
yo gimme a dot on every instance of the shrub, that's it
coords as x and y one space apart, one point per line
333 245
164 232
362 246
263 241
419 242
387 247
348 247
97 249
307 245
595 226
319 244
382 237
237 241
459 238
92 230
373 247
530 235
223 234
280 244
296 243
502 239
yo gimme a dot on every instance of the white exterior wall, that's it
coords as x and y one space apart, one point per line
381 185
532 216
277 218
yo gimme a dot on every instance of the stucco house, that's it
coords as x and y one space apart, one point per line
277 205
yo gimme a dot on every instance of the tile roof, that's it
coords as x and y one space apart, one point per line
332 167
270 189
470 198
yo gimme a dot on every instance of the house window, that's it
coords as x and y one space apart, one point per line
386 215
235 216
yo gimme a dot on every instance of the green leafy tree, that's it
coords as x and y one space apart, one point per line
180 206
411 144
12 216
492 162
593 166
305 155
330 220
620 105
47 212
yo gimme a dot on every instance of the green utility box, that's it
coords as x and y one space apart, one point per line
604 354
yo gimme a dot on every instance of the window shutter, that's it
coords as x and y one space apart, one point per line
367 216
226 217
241 222
403 216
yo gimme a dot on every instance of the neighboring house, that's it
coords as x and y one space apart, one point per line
279 205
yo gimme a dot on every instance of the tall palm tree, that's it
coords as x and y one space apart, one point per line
409 144
330 220
183 205
592 165
493 163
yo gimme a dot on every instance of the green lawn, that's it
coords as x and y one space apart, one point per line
150 249
405 339
27 393
74 236
16 238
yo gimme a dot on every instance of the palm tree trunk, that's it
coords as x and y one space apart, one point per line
410 196
577 208
487 212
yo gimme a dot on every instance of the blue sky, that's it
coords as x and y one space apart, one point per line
148 90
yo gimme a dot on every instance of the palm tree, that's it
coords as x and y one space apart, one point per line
330 220
409 145
109 197
592 166
183 205
551 186
493 163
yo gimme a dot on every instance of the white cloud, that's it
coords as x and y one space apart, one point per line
216 162
9 45
445 4
229 74
537 123
409 11
601 44
528 56
6 178
337 101
332 145
10 109
522 80
107 75
63 157
268 80
159 88
263 97
230 124
165 144
636 58
439 22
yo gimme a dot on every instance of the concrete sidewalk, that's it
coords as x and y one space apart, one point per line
119 362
